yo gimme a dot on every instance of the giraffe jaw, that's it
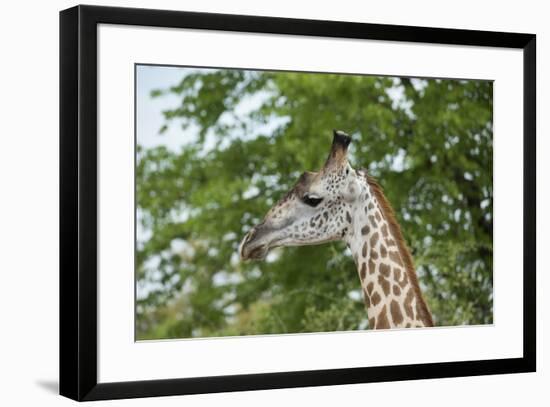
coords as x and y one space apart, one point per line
257 253
251 249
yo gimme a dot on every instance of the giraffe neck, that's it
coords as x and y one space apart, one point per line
388 279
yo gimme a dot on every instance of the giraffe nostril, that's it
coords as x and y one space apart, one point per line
250 235
246 240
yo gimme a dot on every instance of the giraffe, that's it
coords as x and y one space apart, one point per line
340 203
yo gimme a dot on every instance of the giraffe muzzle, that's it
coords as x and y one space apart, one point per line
253 246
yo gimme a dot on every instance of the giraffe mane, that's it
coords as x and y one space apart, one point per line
395 229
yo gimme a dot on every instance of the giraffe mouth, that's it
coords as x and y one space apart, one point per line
253 249
253 252
258 253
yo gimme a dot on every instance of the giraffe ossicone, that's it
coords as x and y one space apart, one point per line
340 203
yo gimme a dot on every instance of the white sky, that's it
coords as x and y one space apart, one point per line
149 118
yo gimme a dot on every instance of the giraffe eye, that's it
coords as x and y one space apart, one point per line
311 200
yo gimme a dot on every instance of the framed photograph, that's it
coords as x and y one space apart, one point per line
255 202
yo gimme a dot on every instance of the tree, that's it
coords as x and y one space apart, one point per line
428 142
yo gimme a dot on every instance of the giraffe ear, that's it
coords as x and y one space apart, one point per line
339 150
351 191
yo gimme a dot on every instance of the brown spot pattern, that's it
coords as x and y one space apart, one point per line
382 320
374 240
374 254
396 258
395 311
385 230
373 221
403 283
365 249
397 274
419 312
383 250
407 304
372 267
385 284
385 270
396 290
363 270
365 230
367 299
375 299
370 286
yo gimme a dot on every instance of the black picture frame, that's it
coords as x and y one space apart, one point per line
78 201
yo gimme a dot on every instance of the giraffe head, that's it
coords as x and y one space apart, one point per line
316 210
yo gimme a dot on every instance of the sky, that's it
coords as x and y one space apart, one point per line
149 110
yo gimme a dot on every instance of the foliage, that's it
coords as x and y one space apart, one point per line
428 142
